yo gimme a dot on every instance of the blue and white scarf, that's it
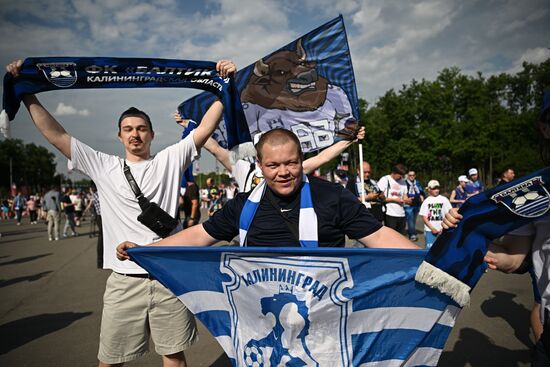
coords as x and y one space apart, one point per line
41 74
307 226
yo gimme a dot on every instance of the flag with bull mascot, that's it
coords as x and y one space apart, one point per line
307 86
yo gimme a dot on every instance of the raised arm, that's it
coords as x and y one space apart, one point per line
193 236
212 117
43 120
221 154
328 154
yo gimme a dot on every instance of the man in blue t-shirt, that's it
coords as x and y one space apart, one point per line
280 216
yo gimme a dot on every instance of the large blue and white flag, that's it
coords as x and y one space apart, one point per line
314 307
306 86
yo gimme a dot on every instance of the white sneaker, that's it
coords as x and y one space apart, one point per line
50 239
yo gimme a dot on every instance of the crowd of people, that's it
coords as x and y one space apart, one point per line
278 204
398 198
71 205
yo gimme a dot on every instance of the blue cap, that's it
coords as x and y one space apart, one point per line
545 104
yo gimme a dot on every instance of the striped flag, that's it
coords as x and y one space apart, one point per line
309 307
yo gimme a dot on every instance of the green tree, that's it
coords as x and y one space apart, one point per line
31 165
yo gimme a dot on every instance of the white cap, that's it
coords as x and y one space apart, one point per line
433 184
463 178
472 171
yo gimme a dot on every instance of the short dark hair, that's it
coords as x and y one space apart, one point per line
399 169
278 136
134 112
506 169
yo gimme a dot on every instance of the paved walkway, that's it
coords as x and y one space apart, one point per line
51 296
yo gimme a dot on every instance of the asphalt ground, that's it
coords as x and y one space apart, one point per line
51 301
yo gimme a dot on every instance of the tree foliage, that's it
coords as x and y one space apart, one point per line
443 127
31 165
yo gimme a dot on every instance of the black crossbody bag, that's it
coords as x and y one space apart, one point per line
152 216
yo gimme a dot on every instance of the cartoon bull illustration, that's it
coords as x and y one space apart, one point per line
286 81
285 90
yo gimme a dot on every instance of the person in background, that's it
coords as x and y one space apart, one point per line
52 207
79 206
415 192
95 208
394 188
508 174
215 201
374 197
19 205
474 185
32 207
459 194
433 211
191 206
68 209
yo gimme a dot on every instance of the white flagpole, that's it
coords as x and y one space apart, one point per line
361 186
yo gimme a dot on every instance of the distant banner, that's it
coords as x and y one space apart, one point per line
309 307
57 73
307 86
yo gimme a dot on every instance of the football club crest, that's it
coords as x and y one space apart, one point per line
275 304
60 74
528 199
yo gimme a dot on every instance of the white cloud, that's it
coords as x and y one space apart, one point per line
391 41
532 55
66 110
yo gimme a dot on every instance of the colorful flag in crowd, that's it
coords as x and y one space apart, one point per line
307 86
315 307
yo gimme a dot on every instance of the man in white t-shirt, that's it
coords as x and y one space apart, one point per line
135 306
394 188
433 210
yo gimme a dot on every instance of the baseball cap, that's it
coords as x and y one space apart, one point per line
462 178
472 171
433 184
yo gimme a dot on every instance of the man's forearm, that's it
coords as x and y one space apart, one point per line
221 154
386 237
192 236
208 124
48 125
326 155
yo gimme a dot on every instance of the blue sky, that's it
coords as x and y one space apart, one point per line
391 42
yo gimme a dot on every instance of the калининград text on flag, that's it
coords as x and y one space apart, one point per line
314 307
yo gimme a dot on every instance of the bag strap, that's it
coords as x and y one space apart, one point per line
142 200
